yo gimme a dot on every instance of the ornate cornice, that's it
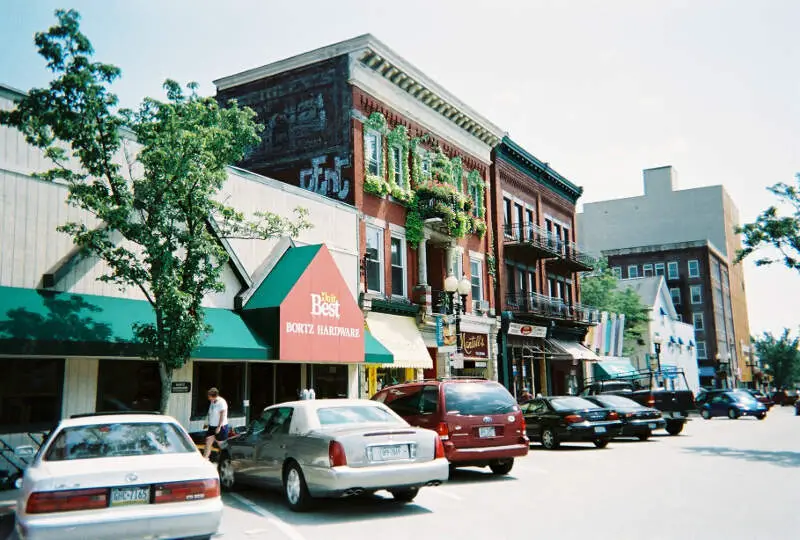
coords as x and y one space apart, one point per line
537 169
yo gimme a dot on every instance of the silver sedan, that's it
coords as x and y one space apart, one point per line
333 448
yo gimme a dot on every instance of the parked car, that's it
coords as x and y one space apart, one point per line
556 419
760 397
733 404
785 397
637 420
479 421
333 448
125 476
706 394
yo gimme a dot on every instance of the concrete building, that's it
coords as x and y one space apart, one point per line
688 237
357 123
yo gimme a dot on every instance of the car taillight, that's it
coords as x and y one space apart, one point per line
439 453
44 502
195 490
336 454
629 415
443 431
574 419
522 426
651 401
613 415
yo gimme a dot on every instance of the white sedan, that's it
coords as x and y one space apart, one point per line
119 477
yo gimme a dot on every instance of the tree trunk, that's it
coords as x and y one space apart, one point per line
166 385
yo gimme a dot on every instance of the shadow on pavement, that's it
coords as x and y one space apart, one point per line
781 459
564 447
476 475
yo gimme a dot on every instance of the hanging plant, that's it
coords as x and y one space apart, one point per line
441 168
414 224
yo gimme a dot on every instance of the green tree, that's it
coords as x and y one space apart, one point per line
782 355
601 289
772 229
154 191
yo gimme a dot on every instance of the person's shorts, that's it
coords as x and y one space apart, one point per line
221 436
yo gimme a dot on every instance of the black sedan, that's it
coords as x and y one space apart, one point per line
556 419
637 420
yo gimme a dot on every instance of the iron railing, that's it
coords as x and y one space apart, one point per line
534 235
555 308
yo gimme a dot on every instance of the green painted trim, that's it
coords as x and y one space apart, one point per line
394 307
282 278
374 350
529 164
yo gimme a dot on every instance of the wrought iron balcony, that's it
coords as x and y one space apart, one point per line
552 308
527 242
571 258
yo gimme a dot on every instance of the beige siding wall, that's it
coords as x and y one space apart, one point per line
80 386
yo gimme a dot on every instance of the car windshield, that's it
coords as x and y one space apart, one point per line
617 401
355 414
744 397
470 399
118 440
571 403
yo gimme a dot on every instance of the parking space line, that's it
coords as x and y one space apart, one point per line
284 527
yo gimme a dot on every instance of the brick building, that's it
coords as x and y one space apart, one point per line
537 274
357 123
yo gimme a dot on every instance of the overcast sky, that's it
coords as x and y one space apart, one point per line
599 89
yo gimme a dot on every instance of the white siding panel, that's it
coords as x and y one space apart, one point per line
225 298
180 405
80 386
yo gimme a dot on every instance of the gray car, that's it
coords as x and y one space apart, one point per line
333 448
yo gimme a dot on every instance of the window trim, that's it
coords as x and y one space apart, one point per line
662 267
380 260
702 345
672 296
691 294
379 146
670 266
399 178
695 316
645 268
403 264
472 261
689 268
636 271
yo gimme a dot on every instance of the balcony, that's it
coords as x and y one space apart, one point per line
528 243
551 308
570 259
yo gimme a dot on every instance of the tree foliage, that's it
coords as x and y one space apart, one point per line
154 191
771 229
782 355
600 289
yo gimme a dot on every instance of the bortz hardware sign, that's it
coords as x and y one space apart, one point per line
323 304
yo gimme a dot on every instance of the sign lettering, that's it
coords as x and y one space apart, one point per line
325 305
527 330
475 345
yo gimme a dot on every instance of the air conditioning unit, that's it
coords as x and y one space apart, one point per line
480 306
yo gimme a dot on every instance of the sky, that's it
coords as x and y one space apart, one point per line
599 89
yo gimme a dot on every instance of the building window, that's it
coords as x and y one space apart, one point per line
519 214
397 166
426 165
701 350
227 377
30 394
697 294
694 269
672 270
697 319
476 193
531 281
675 293
129 385
510 282
617 271
633 271
372 153
647 270
659 269
374 259
507 217
476 277
398 267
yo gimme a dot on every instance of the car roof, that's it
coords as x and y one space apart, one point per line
132 418
313 404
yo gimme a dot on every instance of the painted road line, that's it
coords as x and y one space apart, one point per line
284 527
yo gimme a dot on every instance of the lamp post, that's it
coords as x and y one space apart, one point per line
723 368
452 286
657 349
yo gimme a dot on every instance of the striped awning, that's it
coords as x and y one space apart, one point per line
401 336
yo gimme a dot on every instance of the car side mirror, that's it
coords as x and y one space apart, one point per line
24 452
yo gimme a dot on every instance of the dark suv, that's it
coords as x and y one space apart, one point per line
479 421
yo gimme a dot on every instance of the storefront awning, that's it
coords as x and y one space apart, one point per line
573 349
402 337
613 369
44 322
374 351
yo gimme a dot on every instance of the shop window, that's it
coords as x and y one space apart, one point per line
398 267
128 385
672 270
694 269
405 401
374 259
227 377
30 394
329 382
372 153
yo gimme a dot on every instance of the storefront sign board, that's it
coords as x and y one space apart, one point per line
527 330
475 345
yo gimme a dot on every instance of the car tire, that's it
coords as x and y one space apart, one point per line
674 428
733 414
550 439
706 414
295 490
404 495
601 443
644 436
227 478
501 466
761 416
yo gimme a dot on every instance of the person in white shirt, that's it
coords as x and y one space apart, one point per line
217 420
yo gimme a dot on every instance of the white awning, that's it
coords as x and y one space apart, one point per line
574 349
402 337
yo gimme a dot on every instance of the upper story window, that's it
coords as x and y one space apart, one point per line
633 271
694 269
425 165
374 259
675 293
697 320
647 270
507 216
397 166
511 283
701 350
617 271
476 194
372 153
398 266
697 294
476 277
672 270
659 269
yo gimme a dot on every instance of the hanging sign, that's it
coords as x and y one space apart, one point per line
475 345
445 331
527 330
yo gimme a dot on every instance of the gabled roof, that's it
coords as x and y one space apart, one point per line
282 277
648 289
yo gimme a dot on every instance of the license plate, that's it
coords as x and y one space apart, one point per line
127 496
484 432
389 453
651 426
599 429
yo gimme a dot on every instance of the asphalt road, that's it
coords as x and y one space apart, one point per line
726 479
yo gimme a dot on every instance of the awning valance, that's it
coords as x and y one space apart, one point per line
613 368
573 349
374 351
403 339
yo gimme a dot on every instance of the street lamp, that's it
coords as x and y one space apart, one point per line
657 349
452 286
723 367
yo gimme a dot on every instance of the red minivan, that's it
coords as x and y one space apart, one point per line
479 421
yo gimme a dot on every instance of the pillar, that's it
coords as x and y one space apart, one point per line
422 261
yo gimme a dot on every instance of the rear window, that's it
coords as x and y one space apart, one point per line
118 440
616 401
355 414
470 399
571 403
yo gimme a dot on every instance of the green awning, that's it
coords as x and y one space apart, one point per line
613 369
374 351
282 278
43 322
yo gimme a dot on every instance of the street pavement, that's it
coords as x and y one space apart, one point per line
726 479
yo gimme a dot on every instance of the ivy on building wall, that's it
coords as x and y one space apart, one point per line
399 188
376 183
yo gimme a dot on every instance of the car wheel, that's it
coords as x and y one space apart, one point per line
404 495
706 414
227 478
644 436
733 414
501 466
601 443
674 428
550 439
295 490
761 416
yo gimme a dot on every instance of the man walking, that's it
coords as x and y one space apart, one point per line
217 420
